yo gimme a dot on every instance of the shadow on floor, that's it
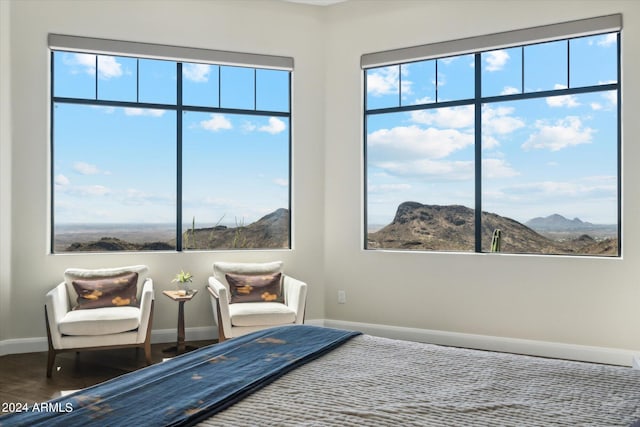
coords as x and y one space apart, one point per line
23 376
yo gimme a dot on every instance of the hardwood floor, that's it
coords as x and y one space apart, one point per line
23 376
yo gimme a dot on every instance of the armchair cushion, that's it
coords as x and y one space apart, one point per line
264 314
255 288
72 274
100 321
220 270
111 291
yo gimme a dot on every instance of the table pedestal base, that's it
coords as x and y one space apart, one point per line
175 349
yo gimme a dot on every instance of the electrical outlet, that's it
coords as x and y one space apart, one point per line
342 297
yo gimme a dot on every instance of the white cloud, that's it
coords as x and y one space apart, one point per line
275 126
144 112
435 169
108 67
499 121
448 117
564 133
509 90
489 142
496 60
247 126
387 188
216 122
608 40
92 190
611 97
385 81
497 168
63 184
425 100
198 73
569 101
589 187
135 197
282 182
412 140
61 180
86 168
85 62
596 106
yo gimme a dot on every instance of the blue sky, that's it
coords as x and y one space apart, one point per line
118 164
540 156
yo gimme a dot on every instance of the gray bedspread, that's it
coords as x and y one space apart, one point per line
373 381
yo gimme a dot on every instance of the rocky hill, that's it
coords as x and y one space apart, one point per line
451 228
108 244
269 232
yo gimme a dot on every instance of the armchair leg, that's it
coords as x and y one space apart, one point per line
147 340
51 356
147 352
221 337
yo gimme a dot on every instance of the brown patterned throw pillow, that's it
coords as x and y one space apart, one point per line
255 288
113 291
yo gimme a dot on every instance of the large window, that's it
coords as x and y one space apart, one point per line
512 150
166 154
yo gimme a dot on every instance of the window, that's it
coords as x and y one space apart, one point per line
513 149
159 153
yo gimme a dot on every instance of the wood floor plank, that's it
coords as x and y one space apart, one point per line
23 376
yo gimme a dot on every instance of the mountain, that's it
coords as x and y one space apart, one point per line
269 232
557 222
108 244
451 228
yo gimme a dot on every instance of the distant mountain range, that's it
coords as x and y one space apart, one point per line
451 228
557 222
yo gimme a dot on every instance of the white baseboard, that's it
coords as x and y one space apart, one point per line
23 345
611 356
37 344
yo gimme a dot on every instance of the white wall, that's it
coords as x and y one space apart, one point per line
5 169
582 301
570 300
269 27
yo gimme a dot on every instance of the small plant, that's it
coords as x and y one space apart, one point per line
183 277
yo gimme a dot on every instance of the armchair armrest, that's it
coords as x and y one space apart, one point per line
220 305
295 296
57 305
146 304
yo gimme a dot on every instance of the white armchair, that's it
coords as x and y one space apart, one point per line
123 316
239 318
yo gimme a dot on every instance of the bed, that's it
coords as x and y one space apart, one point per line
325 377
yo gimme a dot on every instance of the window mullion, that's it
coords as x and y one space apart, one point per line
478 152
179 157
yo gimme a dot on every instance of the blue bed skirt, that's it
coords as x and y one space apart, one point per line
190 388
